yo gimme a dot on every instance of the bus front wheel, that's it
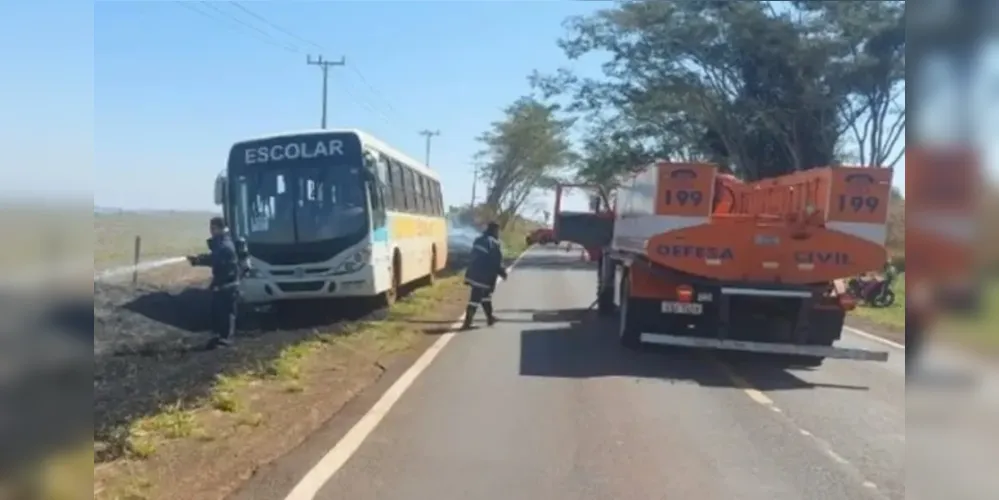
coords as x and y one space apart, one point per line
389 296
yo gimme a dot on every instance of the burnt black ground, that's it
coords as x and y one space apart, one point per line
145 350
45 360
149 348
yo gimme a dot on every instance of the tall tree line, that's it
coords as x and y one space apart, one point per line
762 88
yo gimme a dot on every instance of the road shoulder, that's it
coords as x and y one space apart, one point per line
262 423
886 332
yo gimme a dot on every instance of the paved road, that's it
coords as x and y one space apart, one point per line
544 406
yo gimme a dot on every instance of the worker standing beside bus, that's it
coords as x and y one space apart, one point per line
486 266
224 261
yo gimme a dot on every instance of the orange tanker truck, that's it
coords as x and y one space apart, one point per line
692 257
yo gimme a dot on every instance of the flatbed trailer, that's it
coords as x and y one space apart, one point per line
687 257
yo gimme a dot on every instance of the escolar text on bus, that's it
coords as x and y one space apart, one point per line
294 151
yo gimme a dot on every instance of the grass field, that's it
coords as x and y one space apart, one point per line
981 330
163 234
894 316
514 239
978 331
170 234
39 235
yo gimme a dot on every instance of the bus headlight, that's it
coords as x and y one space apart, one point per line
354 263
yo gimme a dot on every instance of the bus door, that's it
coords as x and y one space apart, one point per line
377 188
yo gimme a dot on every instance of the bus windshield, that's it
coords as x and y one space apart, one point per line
301 204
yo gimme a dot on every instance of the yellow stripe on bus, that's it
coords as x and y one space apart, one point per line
405 226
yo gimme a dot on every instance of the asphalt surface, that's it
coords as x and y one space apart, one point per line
545 405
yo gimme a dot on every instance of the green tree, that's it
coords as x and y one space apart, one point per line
870 65
761 90
523 152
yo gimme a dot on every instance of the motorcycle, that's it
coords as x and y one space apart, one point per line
874 294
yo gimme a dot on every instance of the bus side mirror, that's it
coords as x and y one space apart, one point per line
220 190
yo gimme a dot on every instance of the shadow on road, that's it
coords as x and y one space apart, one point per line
588 347
543 316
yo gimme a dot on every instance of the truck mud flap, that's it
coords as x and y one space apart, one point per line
765 347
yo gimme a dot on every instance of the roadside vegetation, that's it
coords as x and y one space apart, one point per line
41 236
162 233
893 316
257 411
278 402
979 331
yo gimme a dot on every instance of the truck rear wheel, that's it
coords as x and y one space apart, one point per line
629 333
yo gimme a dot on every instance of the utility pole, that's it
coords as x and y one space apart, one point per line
325 66
475 180
428 134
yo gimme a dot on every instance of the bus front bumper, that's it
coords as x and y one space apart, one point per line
262 290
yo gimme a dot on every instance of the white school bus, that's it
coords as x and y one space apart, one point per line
332 213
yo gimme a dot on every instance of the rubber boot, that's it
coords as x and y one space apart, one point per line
488 308
469 316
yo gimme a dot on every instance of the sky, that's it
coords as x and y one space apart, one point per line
176 84
141 107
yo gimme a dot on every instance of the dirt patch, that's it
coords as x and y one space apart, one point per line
172 421
266 419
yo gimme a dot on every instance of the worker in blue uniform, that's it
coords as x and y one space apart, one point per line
224 261
485 268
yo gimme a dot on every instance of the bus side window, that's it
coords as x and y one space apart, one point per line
420 193
410 189
428 196
440 200
398 187
385 182
438 206
378 216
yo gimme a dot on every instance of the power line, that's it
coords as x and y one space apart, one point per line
352 67
373 90
266 38
275 26
325 67
211 5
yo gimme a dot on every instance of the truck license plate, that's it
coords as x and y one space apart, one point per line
682 308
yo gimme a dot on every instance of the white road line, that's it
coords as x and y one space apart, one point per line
875 338
760 398
308 487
